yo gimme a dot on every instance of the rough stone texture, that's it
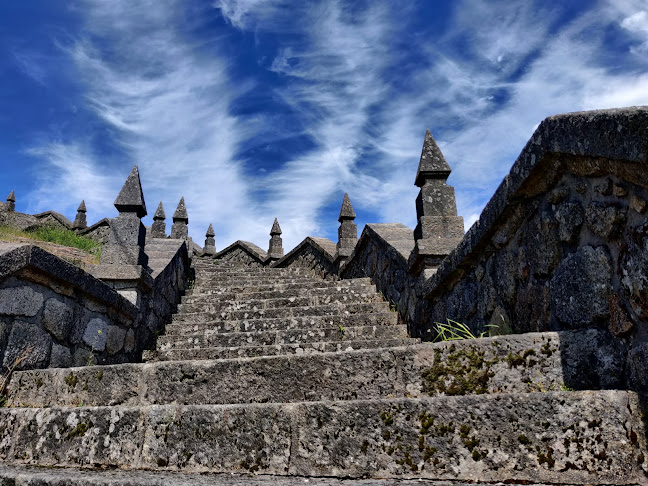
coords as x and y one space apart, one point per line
158 229
20 301
115 340
347 232
315 254
210 243
29 341
99 232
58 318
179 229
126 241
492 438
96 334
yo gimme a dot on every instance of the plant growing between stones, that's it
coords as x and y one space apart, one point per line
454 331
94 345
4 380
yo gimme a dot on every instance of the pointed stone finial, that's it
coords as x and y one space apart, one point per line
181 212
131 197
11 202
432 164
275 250
276 229
347 232
210 243
80 221
439 229
346 211
158 228
159 213
179 228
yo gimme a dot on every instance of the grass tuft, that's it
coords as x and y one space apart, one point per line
454 331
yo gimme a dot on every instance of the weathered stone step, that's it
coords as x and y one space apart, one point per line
43 476
333 309
213 338
179 354
280 285
198 298
282 323
243 302
201 282
539 362
566 437
247 271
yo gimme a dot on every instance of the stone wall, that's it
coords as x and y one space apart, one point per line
315 254
242 253
98 232
58 315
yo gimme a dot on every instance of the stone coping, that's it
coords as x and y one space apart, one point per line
256 252
614 134
101 222
324 245
15 257
396 235
57 216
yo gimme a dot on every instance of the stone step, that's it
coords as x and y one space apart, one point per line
214 338
556 437
213 305
202 283
198 298
43 476
179 354
334 309
244 271
179 328
251 287
539 362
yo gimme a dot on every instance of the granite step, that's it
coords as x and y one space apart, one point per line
197 298
334 309
202 282
581 437
180 328
214 338
198 353
44 476
280 285
222 305
537 362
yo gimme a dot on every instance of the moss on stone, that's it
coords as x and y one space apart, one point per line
79 430
71 380
460 372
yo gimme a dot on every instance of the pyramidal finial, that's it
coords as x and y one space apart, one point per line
346 211
210 231
433 164
159 213
181 212
276 229
131 198
82 207
11 197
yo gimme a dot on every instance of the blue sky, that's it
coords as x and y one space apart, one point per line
256 109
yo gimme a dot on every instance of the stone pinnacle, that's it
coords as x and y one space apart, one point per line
181 212
11 197
210 231
82 207
159 213
346 211
276 229
131 198
432 164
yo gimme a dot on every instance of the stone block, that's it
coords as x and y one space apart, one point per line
129 341
96 334
606 220
61 357
580 288
20 301
439 227
58 318
115 339
32 342
436 198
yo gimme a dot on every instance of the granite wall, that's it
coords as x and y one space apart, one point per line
315 254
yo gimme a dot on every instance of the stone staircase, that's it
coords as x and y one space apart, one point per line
277 373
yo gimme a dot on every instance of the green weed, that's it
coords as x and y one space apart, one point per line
454 331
